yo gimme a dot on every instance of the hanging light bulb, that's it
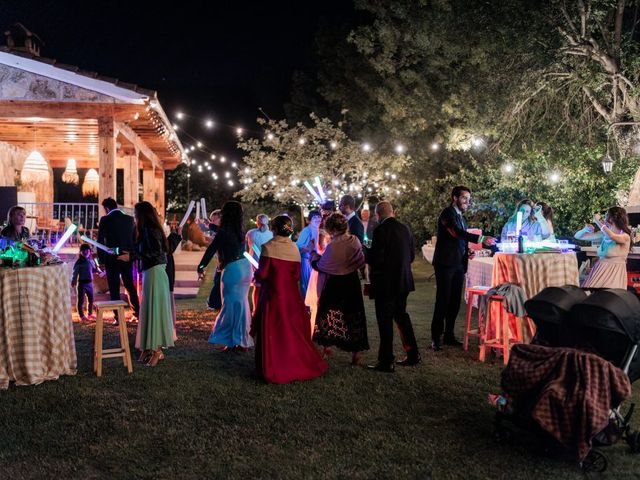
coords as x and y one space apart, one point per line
35 169
70 174
91 182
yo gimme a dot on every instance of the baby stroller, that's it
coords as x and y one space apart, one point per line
605 323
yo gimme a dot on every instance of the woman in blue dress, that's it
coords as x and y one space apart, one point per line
231 327
306 243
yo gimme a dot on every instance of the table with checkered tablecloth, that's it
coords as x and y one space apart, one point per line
535 272
36 331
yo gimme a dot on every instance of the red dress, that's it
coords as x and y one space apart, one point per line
284 351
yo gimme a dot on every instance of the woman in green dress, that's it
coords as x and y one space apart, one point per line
155 327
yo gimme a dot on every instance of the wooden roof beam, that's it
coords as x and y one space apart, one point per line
134 139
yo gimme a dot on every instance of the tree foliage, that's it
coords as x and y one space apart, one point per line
277 165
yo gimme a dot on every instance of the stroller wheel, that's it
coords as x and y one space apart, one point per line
595 462
633 439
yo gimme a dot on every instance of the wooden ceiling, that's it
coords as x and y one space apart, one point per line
76 136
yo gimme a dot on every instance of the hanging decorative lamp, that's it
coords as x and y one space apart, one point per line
70 174
91 183
35 169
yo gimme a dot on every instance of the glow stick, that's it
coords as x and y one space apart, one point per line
96 244
320 190
312 191
203 209
67 233
256 249
252 260
186 215
197 210
518 223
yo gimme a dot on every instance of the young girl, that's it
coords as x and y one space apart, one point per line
83 277
611 269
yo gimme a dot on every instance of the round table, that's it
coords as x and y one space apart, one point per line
36 330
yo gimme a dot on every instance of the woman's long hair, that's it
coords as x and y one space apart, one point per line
146 217
12 210
547 211
525 201
618 216
233 220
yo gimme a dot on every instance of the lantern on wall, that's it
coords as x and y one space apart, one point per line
91 183
70 174
35 169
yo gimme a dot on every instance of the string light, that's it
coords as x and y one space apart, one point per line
302 141
435 147
239 131
270 136
179 115
366 147
209 123
400 149
508 168
554 177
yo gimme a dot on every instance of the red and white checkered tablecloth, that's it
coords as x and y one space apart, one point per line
36 331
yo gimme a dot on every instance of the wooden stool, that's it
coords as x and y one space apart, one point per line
501 339
468 331
123 351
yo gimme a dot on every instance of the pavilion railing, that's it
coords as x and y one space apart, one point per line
49 220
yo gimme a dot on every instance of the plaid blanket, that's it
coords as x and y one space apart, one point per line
569 392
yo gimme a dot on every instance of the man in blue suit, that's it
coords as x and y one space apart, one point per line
450 261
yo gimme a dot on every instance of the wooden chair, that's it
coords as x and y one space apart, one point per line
123 351
472 293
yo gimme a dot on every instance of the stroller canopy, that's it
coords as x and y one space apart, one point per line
553 304
611 309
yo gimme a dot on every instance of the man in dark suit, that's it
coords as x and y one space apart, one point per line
347 207
450 261
116 231
390 256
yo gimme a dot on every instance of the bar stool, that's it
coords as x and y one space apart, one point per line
473 292
497 332
123 350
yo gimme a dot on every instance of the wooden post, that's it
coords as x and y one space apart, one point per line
160 202
148 186
107 159
131 180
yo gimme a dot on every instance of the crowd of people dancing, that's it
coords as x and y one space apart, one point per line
307 295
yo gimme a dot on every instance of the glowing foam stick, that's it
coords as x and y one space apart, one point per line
312 191
67 233
197 210
203 209
252 260
186 215
96 244
320 190
518 223
256 249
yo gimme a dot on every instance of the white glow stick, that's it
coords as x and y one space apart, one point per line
518 223
96 244
67 233
252 260
197 210
203 209
312 191
256 249
320 190
186 215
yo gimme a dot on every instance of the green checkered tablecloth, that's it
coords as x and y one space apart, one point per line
36 331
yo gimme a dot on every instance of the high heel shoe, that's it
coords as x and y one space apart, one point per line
145 356
155 358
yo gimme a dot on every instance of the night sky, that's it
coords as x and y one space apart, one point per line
213 59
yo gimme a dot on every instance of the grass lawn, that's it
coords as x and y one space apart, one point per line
203 414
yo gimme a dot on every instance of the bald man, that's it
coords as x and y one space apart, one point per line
390 256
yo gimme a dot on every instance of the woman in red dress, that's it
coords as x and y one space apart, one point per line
284 351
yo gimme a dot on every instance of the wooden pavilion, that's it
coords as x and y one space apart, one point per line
66 113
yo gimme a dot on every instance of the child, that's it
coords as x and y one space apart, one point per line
83 277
